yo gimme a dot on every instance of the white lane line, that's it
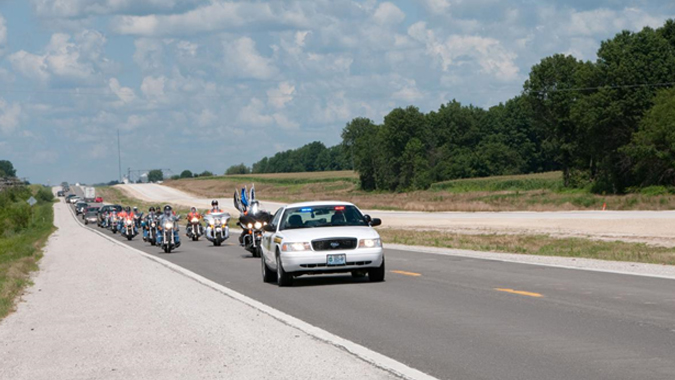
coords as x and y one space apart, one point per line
369 356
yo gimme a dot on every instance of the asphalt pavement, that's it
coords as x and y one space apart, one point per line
463 318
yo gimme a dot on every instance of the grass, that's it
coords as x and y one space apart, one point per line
540 245
20 252
531 192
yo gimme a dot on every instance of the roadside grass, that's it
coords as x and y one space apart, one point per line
22 238
540 245
531 192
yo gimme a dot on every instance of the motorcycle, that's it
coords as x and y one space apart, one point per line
103 223
129 229
113 222
150 227
253 232
194 229
217 230
168 232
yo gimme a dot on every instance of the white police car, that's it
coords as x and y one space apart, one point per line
319 238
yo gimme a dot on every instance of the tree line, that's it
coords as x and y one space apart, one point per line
608 125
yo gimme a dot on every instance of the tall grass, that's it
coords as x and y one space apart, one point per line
23 232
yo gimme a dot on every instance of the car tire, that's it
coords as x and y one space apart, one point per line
86 222
257 252
267 274
283 278
376 274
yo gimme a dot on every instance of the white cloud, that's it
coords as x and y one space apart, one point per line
279 96
81 8
148 54
216 16
242 59
388 14
252 114
153 88
459 50
3 34
437 6
605 21
66 59
284 122
9 116
125 94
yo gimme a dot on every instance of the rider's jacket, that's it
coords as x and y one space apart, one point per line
194 215
214 210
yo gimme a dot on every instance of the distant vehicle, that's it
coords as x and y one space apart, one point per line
91 216
60 193
69 197
74 199
89 194
89 209
80 207
98 200
321 237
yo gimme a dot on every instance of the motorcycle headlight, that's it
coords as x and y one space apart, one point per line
257 225
295 247
194 220
168 225
370 243
129 222
153 224
212 222
250 225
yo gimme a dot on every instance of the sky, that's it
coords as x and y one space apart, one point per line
206 84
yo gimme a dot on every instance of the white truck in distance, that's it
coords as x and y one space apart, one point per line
89 194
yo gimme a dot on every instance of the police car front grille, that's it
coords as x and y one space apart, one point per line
334 244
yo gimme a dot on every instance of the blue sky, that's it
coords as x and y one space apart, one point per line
205 84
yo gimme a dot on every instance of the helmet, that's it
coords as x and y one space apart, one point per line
192 209
167 208
152 209
135 209
128 209
214 203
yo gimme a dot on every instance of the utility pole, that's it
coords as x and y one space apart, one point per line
119 154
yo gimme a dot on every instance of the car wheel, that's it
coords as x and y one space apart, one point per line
86 222
376 274
267 275
257 251
283 278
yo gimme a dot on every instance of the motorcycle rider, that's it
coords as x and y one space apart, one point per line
214 208
146 222
257 213
168 216
192 214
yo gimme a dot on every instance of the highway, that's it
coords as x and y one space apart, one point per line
462 318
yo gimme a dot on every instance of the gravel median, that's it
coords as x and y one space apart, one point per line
99 310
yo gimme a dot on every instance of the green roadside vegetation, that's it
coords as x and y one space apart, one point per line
539 245
23 232
527 192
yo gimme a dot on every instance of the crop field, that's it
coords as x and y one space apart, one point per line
531 192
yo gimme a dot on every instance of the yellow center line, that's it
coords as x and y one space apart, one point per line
521 292
406 273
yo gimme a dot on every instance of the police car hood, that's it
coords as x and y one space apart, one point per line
309 234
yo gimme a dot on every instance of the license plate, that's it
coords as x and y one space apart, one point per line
340 259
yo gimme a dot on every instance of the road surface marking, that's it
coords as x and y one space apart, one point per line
406 273
521 292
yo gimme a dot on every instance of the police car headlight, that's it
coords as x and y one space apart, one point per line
295 247
370 243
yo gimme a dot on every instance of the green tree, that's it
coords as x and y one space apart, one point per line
186 174
206 173
652 149
551 91
359 137
155 175
238 169
7 169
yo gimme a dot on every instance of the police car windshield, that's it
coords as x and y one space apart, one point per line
322 216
